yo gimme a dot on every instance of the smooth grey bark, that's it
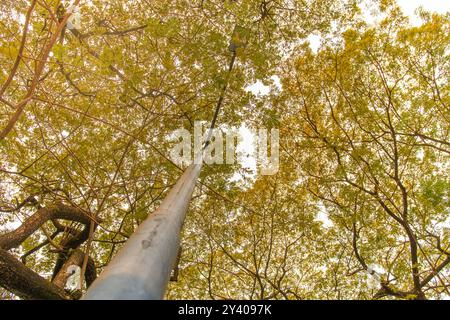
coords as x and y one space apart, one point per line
141 269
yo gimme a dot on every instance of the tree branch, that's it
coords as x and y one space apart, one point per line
60 211
25 283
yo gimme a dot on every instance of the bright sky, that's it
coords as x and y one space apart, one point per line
409 6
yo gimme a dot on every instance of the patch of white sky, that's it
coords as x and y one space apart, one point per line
322 216
260 89
246 148
246 155
410 6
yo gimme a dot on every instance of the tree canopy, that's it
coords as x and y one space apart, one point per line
359 208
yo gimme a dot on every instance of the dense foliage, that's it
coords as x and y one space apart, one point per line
359 208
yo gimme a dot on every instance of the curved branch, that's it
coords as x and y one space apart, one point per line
60 211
